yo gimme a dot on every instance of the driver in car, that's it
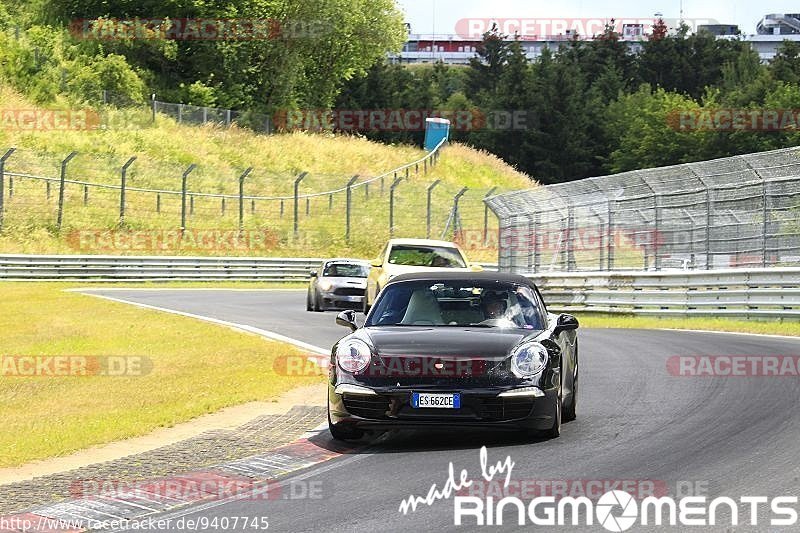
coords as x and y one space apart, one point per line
494 306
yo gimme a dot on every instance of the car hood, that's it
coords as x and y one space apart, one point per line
446 342
396 270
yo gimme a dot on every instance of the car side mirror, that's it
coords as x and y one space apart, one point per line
347 319
566 322
376 263
312 274
476 268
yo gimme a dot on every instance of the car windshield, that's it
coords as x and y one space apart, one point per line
490 304
427 256
346 270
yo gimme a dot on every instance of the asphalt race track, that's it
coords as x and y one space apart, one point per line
727 436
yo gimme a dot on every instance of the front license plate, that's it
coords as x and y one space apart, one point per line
436 401
353 298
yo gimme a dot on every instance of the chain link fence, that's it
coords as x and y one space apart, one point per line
741 211
87 203
192 114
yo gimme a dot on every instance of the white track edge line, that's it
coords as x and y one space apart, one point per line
233 325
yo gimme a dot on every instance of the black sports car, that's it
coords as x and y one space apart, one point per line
455 349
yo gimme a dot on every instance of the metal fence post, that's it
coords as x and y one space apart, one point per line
308 205
610 236
570 241
296 189
485 214
2 184
183 195
428 209
531 250
600 247
765 215
123 183
348 196
392 187
454 216
708 224
537 255
61 185
158 202
241 197
656 245
85 195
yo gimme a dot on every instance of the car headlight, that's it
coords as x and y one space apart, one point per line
528 360
353 355
325 285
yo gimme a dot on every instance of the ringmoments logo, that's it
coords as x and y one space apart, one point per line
615 510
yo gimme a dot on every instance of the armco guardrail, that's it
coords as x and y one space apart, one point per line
153 268
740 293
156 268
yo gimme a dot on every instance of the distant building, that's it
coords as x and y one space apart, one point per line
779 24
772 30
458 50
720 29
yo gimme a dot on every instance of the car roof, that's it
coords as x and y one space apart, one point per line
427 242
345 260
446 275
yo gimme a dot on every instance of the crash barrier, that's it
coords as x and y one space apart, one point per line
736 212
156 268
736 293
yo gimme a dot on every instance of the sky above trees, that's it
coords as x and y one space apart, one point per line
746 13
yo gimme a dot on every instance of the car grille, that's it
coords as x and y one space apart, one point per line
348 291
506 408
493 409
366 406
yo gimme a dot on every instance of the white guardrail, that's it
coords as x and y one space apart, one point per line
742 293
157 268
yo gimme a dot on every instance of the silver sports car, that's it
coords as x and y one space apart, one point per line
338 284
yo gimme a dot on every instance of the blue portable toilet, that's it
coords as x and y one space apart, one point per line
436 129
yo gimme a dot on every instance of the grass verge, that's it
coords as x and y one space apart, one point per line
164 149
197 368
599 320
